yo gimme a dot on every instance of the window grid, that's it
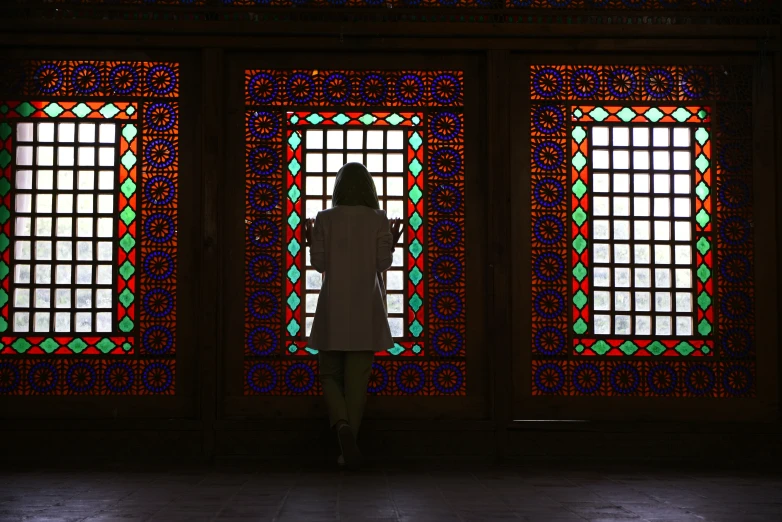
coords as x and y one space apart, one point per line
643 202
64 264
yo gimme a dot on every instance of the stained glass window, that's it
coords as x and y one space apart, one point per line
630 251
88 241
302 126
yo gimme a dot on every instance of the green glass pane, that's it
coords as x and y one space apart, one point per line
127 242
705 349
4 109
77 345
292 348
704 327
703 246
416 221
128 160
5 158
656 348
294 247
579 216
580 326
415 194
367 119
703 273
580 299
416 302
416 328
701 136
579 244
3 297
416 141
654 114
415 167
4 242
127 270
577 113
3 324
702 190
681 114
294 140
626 114
294 193
128 188
293 301
294 119
702 217
704 300
394 119
5 186
294 167
628 347
314 118
293 327
24 109
416 275
294 220
81 110
396 349
598 114
127 216
4 213
703 114
684 348
341 119
311 351
130 110
580 272
702 163
5 131
126 325
579 161
578 134
415 119
53 110
294 274
416 348
416 248
49 345
105 345
579 189
4 270
109 110
601 347
21 345
580 348
126 297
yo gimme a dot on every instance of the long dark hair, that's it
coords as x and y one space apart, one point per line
354 186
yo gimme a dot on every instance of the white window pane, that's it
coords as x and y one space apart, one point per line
106 180
621 160
602 276
83 297
643 301
642 230
395 140
66 156
65 179
313 185
103 322
601 229
641 183
601 253
86 156
45 157
640 136
313 162
663 326
396 325
335 139
643 278
395 209
43 226
22 298
660 137
66 132
105 251
24 203
622 277
375 163
395 303
24 179
641 206
621 136
43 298
683 254
64 203
681 137
662 302
602 300
622 324
86 180
43 274
24 132
63 298
87 132
622 253
104 275
643 325
662 230
641 160
601 183
642 254
600 159
103 298
622 301
83 321
375 139
42 321
662 277
105 227
681 207
662 254
314 139
64 227
107 132
43 250
62 322
682 230
395 185
105 204
334 162
24 155
621 183
64 251
603 324
46 132
22 250
683 278
106 157
622 206
63 274
600 136
355 139
395 163
683 302
681 160
43 203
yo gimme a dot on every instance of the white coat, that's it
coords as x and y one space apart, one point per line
350 246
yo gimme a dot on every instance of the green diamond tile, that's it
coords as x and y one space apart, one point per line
49 345
579 189
681 114
577 113
415 141
626 114
341 119
292 348
416 328
127 347
703 273
415 167
598 114
294 193
5 158
294 167
394 119
109 110
81 110
105 345
128 160
53 110
396 349
367 119
654 114
580 348
24 109
294 247
4 213
294 119
127 242
579 244
704 300
579 161
131 110
5 131
128 188
294 220
4 270
416 275
126 270
314 118
416 221
701 136
5 186
578 134
415 119
601 347
3 324
416 248
702 190
705 350
126 325
4 242
628 347
702 163
415 194
580 327
704 327
293 301
579 216
4 109
703 246
703 114
129 132
416 348
21 345
77 345
580 272
580 299
702 217
656 348
126 297
684 348
293 327
128 215
416 302
294 274
3 297
294 140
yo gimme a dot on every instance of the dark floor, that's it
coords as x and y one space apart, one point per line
538 493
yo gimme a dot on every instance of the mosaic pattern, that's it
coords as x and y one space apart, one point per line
416 152
100 176
481 4
627 242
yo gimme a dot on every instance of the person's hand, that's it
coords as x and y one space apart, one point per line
309 224
397 227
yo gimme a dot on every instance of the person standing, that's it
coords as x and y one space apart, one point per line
351 244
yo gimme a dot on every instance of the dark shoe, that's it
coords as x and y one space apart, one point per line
347 442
